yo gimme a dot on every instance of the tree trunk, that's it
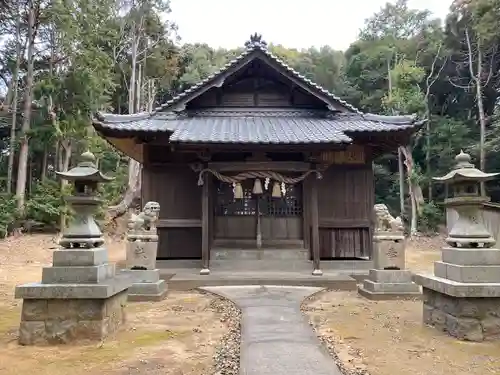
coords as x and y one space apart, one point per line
482 117
15 79
401 173
138 90
24 149
134 167
66 148
43 174
414 190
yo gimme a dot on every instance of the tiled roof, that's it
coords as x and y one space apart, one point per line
262 127
251 48
253 125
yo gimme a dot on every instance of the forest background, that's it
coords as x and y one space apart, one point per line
61 61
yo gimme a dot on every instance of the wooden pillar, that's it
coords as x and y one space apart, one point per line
314 220
205 224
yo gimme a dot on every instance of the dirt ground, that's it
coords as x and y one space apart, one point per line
388 338
176 336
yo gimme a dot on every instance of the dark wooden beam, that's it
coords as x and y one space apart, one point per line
205 224
178 223
313 210
306 216
343 223
295 166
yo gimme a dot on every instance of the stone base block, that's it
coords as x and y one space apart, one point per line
78 275
146 286
467 274
103 290
471 257
470 319
387 296
389 251
389 284
141 254
142 276
156 291
62 321
390 276
458 289
80 257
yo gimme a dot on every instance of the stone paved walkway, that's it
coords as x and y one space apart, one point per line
276 338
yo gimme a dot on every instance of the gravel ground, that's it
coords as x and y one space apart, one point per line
227 354
329 343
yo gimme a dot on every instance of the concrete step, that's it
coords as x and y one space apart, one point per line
250 244
238 254
332 280
342 264
261 265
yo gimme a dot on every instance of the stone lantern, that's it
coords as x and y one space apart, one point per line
80 297
83 232
462 298
464 180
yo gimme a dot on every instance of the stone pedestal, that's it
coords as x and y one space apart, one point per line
141 251
79 298
462 298
142 248
389 279
147 285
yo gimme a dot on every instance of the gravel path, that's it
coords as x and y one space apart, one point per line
227 354
276 338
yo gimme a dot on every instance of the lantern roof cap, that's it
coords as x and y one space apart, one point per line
464 170
86 170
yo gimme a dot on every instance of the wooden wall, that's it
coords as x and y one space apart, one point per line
345 199
256 92
177 191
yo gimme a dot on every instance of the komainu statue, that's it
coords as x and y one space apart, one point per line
145 221
385 222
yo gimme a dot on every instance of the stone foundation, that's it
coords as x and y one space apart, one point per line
388 285
147 285
61 321
470 319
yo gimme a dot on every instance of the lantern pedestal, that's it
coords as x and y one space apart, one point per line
462 297
79 297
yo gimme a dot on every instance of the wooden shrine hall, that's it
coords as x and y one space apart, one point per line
256 156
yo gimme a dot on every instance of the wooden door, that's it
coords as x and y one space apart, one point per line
236 219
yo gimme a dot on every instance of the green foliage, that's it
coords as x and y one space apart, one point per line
7 213
403 62
430 218
405 97
46 203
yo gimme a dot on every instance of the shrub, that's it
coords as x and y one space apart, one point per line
46 204
430 218
8 214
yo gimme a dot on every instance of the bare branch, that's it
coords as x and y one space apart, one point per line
469 49
467 87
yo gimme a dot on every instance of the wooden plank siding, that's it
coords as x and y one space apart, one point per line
176 189
345 203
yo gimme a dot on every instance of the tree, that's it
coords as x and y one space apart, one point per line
476 23
34 10
141 31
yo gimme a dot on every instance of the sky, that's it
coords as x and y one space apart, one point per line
292 23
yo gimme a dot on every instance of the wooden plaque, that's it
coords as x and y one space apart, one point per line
353 154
